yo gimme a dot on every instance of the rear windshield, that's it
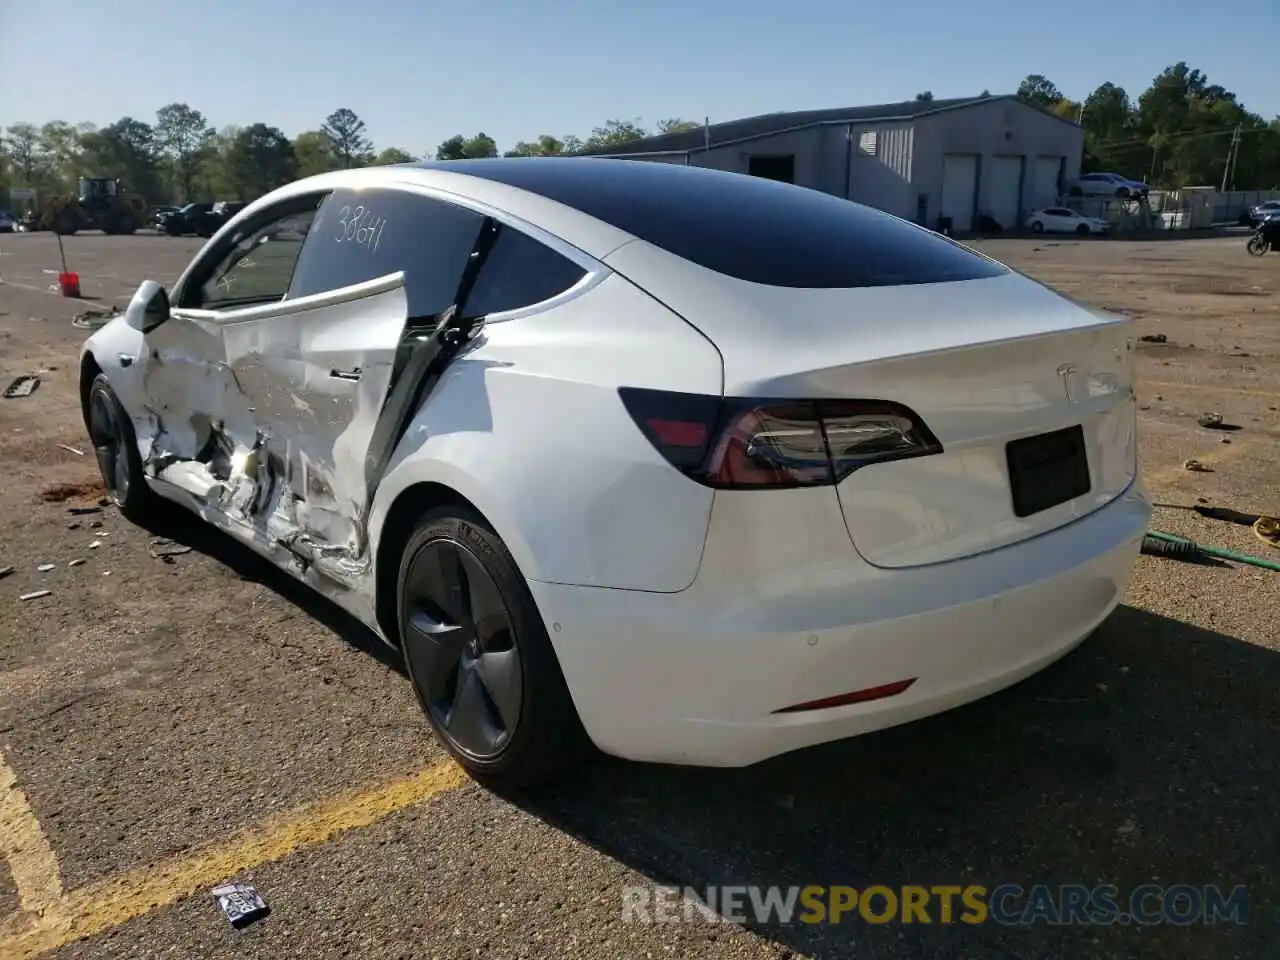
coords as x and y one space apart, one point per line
746 227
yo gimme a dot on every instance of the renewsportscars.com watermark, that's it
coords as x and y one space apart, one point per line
1007 904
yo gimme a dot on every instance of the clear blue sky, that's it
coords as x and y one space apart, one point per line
418 72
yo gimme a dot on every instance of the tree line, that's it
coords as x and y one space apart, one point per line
1179 131
181 157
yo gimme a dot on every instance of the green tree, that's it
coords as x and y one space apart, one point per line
393 155
676 125
260 159
60 147
314 150
545 146
458 147
181 136
1036 88
125 150
924 96
614 133
22 143
346 133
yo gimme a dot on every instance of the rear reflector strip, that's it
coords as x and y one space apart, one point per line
857 696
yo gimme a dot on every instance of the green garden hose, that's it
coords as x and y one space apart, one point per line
1160 544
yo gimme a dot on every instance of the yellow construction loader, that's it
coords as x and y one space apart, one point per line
101 204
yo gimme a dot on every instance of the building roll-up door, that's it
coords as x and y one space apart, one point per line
1004 190
959 189
1045 182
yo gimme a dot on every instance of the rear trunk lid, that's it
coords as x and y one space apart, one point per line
1029 394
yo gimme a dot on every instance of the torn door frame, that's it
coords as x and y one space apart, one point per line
229 472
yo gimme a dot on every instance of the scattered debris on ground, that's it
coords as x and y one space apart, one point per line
1195 466
35 595
1154 338
23 386
76 562
5 571
70 449
93 319
46 567
162 548
241 904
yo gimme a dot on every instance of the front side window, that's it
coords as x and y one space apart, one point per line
256 266
520 272
360 235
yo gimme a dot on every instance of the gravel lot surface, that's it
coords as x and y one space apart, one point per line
165 727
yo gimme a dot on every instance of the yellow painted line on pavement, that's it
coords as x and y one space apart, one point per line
109 903
23 845
1209 388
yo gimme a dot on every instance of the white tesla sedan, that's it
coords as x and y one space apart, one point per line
684 465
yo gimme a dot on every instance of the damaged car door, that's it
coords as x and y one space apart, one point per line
376 272
204 424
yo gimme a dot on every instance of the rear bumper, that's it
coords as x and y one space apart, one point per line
695 677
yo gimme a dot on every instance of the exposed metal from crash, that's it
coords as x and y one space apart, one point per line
280 421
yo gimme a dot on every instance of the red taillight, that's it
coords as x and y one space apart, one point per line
735 443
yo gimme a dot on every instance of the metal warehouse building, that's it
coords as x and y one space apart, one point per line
922 160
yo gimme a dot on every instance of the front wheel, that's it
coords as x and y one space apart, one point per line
479 656
1083 230
1037 227
1257 245
116 449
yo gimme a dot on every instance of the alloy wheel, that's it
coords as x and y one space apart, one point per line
460 641
108 445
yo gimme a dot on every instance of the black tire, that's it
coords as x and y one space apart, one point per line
1083 230
66 224
1257 245
1037 227
127 224
116 448
523 728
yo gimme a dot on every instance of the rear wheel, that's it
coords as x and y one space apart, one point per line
479 656
116 449
1083 229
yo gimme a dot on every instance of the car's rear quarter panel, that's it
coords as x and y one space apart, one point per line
528 426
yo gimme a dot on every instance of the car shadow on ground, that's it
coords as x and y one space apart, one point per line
1149 755
176 524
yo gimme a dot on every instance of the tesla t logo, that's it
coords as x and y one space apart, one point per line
1067 371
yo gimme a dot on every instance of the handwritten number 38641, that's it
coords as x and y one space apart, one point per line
360 226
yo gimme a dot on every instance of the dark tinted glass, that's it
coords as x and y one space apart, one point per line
519 272
747 227
365 234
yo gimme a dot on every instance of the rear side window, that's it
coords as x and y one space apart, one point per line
746 227
360 235
520 272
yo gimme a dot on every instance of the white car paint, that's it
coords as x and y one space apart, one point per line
1106 185
685 617
1065 220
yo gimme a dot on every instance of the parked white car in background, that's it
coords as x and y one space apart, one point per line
1107 185
686 465
1064 220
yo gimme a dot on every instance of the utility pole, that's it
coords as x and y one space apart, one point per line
1232 152
1235 157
